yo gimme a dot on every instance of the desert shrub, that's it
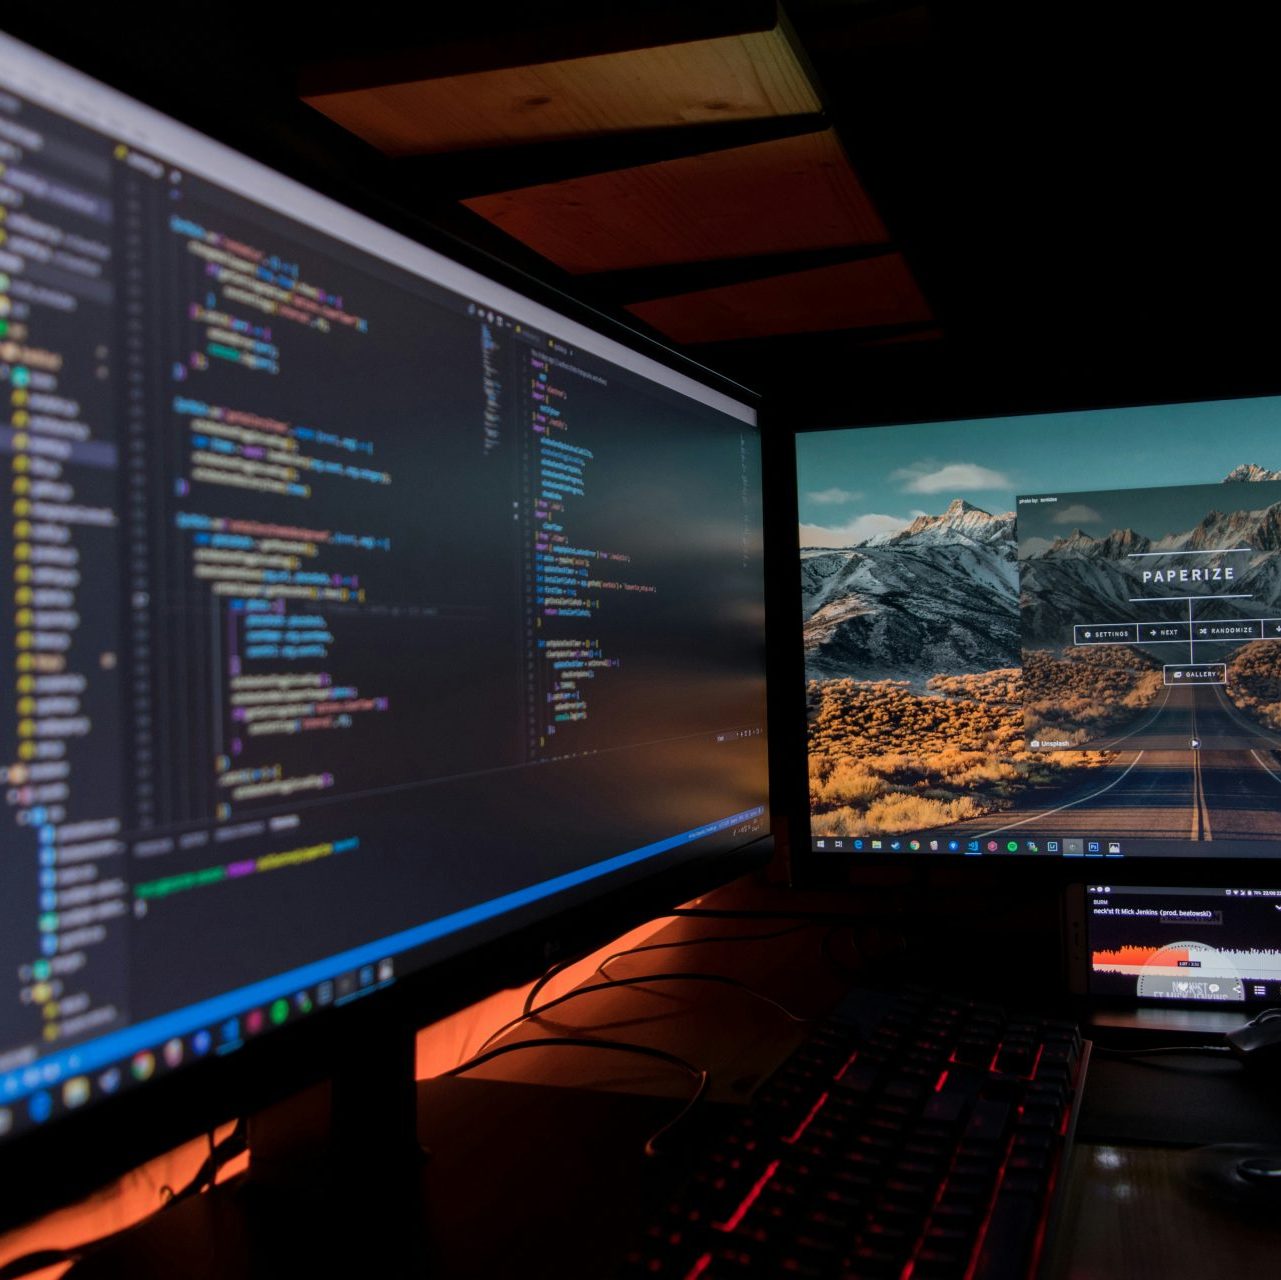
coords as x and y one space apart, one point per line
885 757
850 784
839 822
899 812
1074 696
1254 681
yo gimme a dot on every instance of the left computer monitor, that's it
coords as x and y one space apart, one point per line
362 610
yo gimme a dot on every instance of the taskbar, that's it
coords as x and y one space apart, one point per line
1044 845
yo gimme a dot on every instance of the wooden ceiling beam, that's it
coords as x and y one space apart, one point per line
643 284
484 171
864 294
727 77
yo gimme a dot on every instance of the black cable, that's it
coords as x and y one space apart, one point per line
640 980
703 913
698 942
1165 1048
236 1143
818 917
37 1261
703 1076
559 967
844 970
231 1146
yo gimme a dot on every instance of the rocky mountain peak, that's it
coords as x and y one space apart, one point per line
1251 471
960 521
1077 541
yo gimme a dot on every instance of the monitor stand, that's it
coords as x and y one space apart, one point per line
334 1187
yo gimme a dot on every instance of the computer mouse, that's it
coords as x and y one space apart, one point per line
1243 1175
1258 1043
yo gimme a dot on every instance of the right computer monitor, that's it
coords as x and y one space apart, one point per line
1048 636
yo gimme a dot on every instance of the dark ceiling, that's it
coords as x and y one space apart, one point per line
1084 194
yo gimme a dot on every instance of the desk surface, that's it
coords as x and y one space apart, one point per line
537 1165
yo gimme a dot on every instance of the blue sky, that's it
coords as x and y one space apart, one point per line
869 480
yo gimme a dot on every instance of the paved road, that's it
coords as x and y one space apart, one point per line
1158 786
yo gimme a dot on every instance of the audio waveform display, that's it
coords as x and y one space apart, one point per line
1178 960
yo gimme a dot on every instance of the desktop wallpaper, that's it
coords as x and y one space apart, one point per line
936 658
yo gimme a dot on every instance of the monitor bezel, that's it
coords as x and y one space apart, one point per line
49 1166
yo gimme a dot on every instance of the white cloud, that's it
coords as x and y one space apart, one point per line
930 477
1076 513
826 497
857 530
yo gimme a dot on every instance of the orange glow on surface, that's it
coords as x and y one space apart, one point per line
141 1192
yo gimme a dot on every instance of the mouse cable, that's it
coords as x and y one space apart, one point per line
701 1074
708 913
1165 1048
698 942
231 1146
639 980
745 913
560 966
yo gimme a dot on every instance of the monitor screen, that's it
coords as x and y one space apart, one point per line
1052 636
1153 944
361 608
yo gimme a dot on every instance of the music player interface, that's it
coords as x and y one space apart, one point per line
1184 943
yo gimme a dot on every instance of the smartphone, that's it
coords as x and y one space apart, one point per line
1157 945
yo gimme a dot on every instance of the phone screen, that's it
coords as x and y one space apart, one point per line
1175 943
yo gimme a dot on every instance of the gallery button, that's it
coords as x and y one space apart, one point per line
1240 629
1199 673
1163 631
1112 633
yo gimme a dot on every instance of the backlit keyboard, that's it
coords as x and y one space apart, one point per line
910 1137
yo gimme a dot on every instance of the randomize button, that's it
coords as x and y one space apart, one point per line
1246 629
1203 673
1164 631
1112 634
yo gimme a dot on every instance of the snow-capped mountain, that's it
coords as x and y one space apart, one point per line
962 522
1118 543
1251 471
1258 530
940 596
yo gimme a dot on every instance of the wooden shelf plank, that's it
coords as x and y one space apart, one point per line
771 197
746 76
